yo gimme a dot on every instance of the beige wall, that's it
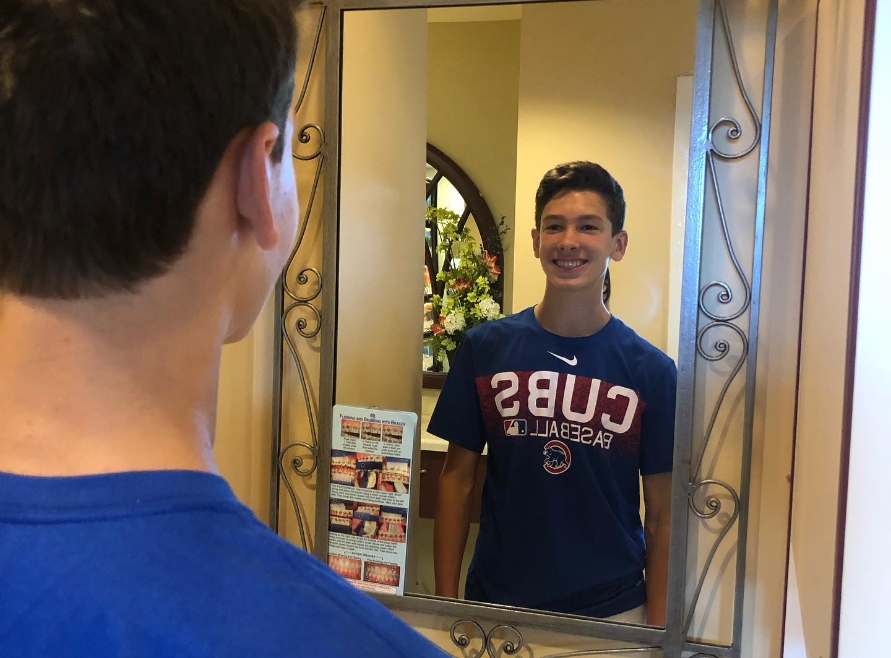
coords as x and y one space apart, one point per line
775 419
866 574
824 330
472 89
380 283
242 445
381 241
598 82
495 92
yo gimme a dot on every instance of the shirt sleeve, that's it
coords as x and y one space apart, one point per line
457 417
657 424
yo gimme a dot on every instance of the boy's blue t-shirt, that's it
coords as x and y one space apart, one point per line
571 424
169 563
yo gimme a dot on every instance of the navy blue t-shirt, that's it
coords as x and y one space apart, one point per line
571 424
170 564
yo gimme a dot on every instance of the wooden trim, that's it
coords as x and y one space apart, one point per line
360 5
807 196
433 380
853 309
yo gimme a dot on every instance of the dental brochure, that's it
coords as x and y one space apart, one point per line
371 462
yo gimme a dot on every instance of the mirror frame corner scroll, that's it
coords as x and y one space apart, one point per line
697 319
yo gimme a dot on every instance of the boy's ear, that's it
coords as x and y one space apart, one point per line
255 172
536 242
621 244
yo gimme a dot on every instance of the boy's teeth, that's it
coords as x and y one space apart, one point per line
569 263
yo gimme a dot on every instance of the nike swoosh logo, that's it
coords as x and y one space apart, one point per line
573 361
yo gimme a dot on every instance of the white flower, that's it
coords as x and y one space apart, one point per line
489 309
454 322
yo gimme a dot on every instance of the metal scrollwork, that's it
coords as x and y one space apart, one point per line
734 129
622 651
512 646
721 347
734 132
721 350
297 462
312 59
711 510
303 279
301 325
463 640
301 288
725 294
720 306
508 647
305 137
297 465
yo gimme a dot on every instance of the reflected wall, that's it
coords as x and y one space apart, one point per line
598 82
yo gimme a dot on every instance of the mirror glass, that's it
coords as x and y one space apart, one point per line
508 92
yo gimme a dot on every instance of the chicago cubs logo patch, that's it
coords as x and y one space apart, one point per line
557 457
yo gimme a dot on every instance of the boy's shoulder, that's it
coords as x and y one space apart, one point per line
338 617
212 579
638 348
507 326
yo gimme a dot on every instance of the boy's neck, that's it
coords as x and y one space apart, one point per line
572 314
119 392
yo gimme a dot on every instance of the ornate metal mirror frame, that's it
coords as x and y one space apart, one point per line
718 349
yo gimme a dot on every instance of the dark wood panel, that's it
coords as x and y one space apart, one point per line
431 468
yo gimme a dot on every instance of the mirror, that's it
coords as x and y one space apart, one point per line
510 92
369 348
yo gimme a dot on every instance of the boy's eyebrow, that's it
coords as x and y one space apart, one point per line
563 217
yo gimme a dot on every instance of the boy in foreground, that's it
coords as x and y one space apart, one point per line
576 409
147 206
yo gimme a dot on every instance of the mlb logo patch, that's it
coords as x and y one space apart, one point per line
515 427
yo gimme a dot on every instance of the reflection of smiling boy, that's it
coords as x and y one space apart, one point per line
575 407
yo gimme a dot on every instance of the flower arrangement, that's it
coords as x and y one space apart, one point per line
465 297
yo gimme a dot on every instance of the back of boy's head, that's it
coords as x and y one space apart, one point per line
582 176
114 115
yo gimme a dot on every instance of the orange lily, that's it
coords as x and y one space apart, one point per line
437 328
491 263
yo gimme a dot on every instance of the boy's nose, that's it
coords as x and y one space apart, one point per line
568 239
